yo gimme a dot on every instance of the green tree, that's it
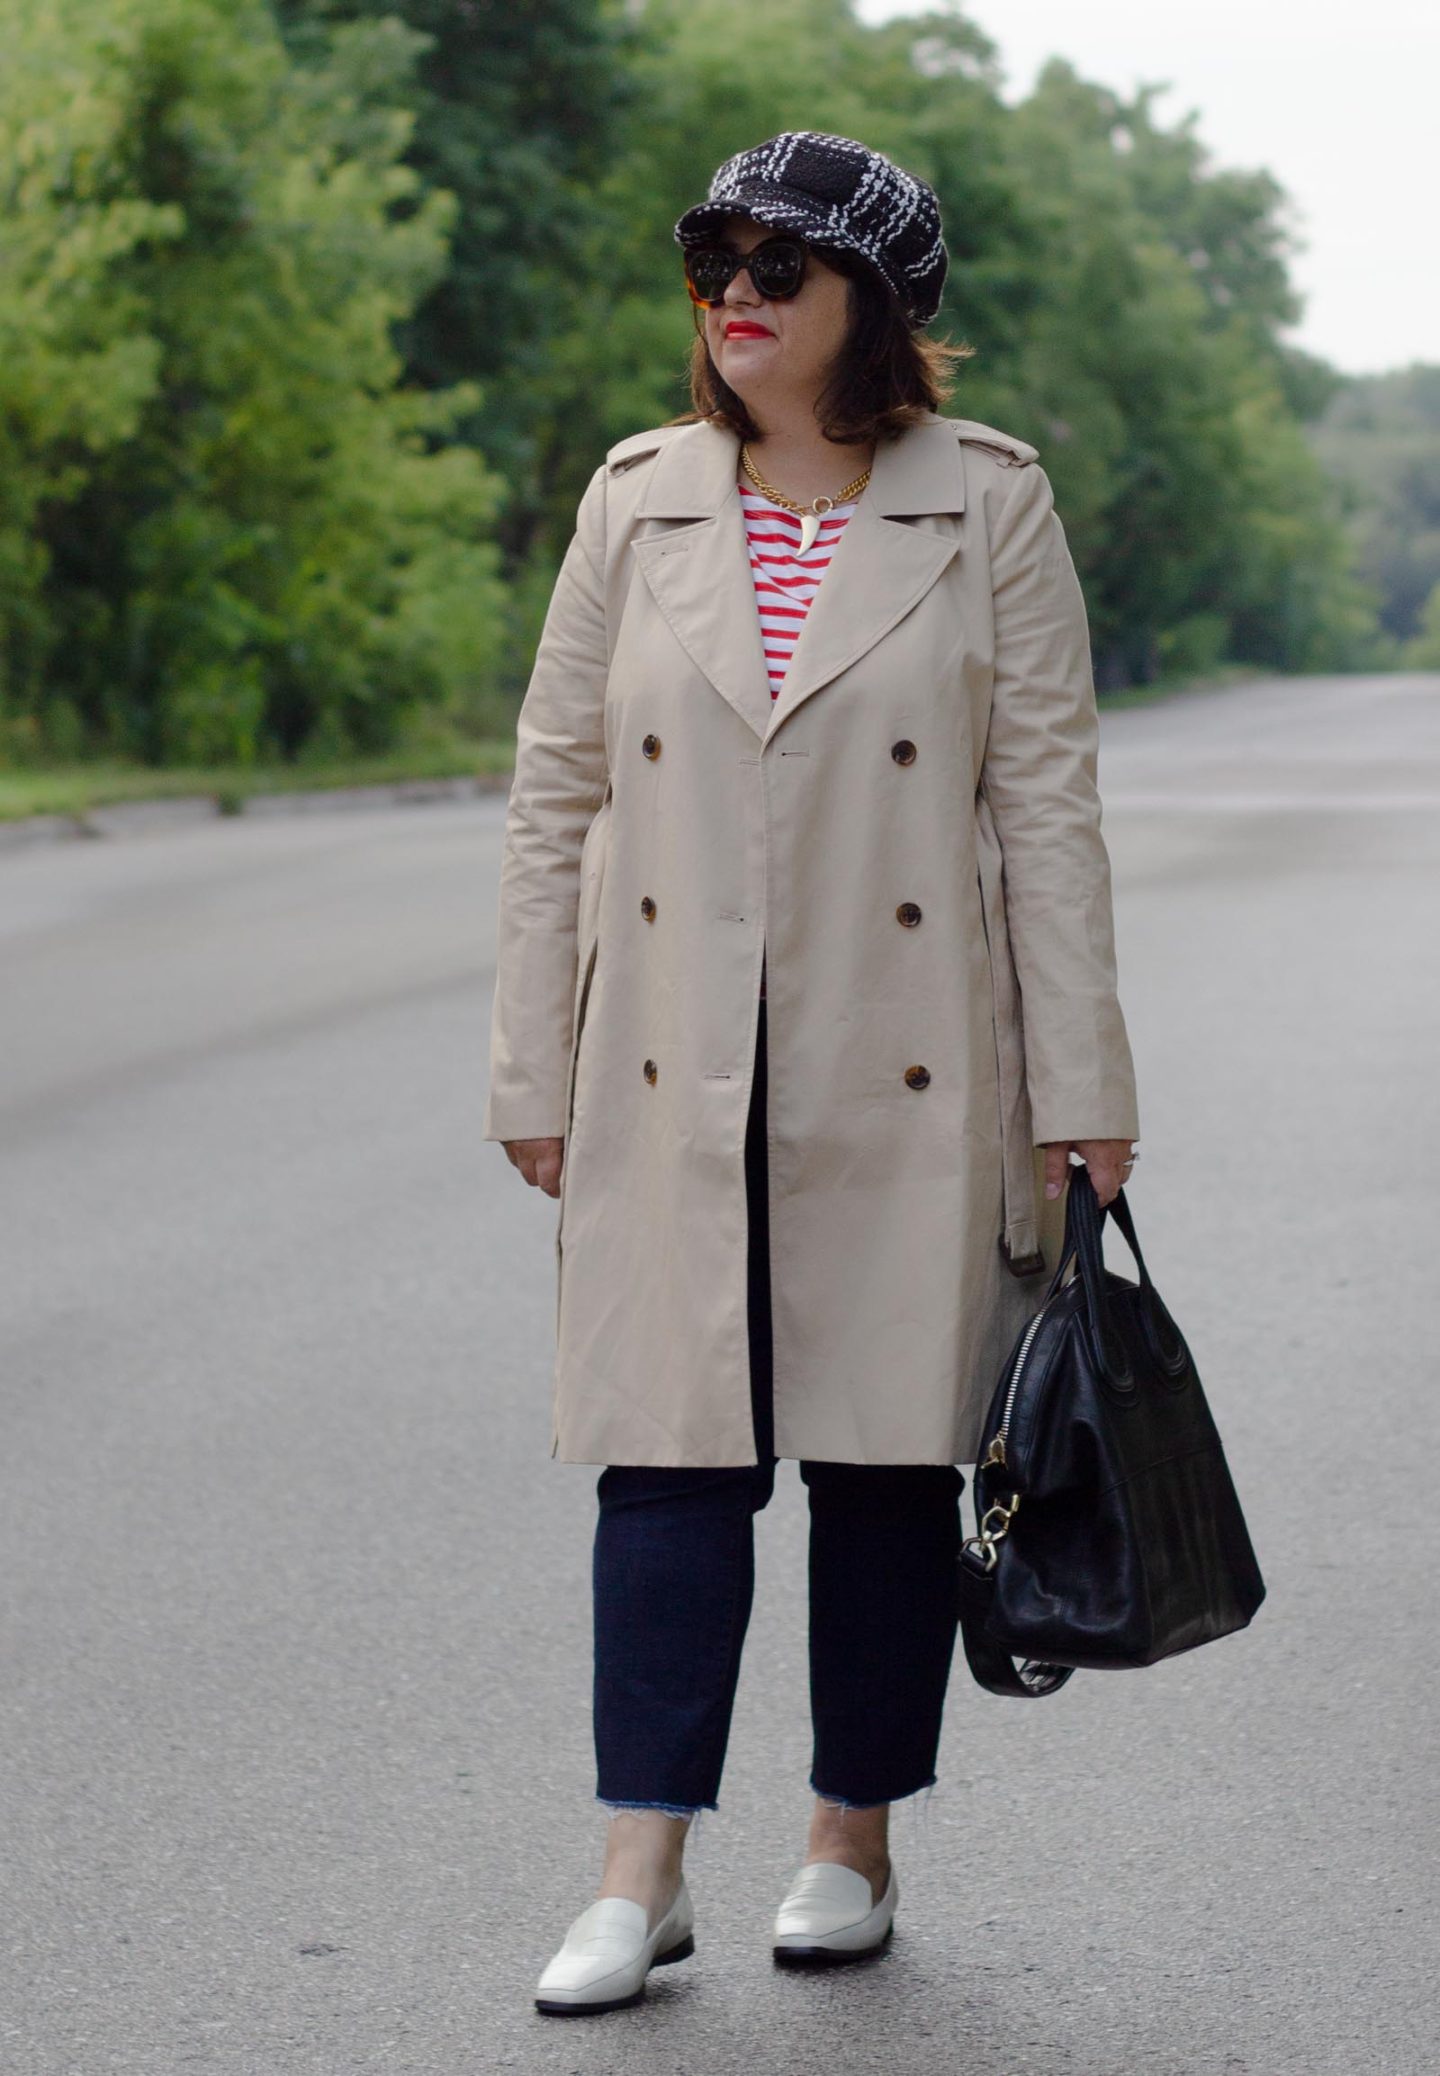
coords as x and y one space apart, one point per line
77 366
260 551
516 114
1151 373
1423 653
1380 440
275 274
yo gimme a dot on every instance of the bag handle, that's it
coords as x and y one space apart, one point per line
1076 1209
1089 1218
1084 1230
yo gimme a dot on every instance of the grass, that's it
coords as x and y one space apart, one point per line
1202 681
77 789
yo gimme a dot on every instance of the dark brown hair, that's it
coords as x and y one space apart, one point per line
887 374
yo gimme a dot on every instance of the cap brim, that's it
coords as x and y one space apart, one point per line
767 205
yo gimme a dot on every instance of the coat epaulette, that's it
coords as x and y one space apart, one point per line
637 446
1013 452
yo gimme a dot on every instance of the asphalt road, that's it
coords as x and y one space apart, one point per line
295 1771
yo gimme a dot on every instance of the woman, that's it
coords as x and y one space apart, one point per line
804 812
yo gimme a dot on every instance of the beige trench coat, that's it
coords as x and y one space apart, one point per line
934 744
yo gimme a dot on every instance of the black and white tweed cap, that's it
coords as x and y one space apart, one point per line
835 191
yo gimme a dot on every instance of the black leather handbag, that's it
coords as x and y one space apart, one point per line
1108 1532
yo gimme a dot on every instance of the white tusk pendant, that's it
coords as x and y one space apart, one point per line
810 523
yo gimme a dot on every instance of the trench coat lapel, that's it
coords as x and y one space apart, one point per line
883 565
700 572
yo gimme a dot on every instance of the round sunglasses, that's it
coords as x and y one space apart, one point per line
776 266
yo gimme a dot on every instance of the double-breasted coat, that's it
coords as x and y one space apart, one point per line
910 838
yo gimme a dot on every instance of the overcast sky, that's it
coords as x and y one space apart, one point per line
1341 104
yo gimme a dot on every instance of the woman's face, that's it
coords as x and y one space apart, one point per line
776 356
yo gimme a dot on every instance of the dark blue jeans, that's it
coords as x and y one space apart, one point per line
674 1577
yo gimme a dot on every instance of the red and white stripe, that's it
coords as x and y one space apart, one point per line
785 582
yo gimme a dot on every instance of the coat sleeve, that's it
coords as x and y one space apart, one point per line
559 784
1039 776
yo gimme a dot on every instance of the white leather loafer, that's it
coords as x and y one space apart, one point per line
608 1953
831 1916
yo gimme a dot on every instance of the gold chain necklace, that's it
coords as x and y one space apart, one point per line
809 515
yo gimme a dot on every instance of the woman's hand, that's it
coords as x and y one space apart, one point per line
1107 1159
539 1161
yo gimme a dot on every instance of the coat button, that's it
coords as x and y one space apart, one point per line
651 1070
908 913
651 746
917 1077
903 751
647 909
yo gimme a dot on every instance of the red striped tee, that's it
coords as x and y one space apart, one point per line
785 583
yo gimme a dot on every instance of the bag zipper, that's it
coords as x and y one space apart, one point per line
996 1453
997 1447
994 1523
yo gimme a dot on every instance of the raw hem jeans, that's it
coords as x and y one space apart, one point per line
674 1576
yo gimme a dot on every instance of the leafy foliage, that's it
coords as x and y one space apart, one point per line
227 530
1380 438
275 275
515 111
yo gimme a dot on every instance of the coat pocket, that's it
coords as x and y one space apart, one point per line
1019 1242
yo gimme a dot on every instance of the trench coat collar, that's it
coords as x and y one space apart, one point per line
882 566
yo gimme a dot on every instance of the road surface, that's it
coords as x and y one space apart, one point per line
295 1771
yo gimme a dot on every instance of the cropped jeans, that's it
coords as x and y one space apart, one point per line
674 1577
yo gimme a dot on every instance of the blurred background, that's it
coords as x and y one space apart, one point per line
315 316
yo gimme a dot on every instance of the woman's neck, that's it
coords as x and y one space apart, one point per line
802 463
